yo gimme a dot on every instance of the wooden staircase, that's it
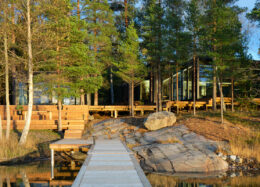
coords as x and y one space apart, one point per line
74 132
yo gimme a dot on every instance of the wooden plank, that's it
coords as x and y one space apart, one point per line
69 144
110 163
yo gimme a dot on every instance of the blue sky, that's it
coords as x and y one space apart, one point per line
253 30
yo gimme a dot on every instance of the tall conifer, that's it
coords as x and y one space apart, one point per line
130 67
223 28
102 32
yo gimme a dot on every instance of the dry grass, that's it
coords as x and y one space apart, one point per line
244 137
35 141
246 146
245 181
169 181
170 141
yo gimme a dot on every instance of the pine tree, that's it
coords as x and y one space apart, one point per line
255 13
177 38
193 22
223 28
67 62
81 71
102 32
152 29
130 67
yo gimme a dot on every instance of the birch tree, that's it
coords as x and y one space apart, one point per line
30 74
5 36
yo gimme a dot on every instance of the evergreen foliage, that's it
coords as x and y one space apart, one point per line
255 13
130 67
102 35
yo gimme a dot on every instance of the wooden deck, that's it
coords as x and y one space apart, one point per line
110 163
49 113
202 104
70 144
67 145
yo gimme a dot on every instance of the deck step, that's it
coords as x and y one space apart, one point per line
79 127
73 134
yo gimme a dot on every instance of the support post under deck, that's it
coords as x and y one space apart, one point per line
52 163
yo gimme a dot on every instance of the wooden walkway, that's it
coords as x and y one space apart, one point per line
110 163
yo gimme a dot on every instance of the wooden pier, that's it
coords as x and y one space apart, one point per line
110 163
67 145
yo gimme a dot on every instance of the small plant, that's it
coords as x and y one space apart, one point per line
19 109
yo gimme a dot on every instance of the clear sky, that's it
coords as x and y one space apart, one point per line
254 31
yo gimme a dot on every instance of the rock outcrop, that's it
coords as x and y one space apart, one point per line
159 120
170 149
176 149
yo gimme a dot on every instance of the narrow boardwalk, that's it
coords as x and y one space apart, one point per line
110 163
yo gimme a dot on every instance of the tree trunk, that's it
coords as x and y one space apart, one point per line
194 85
126 13
214 89
1 181
177 83
96 98
30 79
78 9
59 116
172 95
7 82
170 83
221 100
156 89
232 95
13 21
111 87
198 79
14 81
187 85
222 103
159 92
8 182
151 87
160 87
89 99
1 129
132 98
82 98
25 179
214 67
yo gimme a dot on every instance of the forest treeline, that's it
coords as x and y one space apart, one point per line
70 46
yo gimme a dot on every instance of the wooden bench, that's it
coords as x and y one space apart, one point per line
227 101
198 104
